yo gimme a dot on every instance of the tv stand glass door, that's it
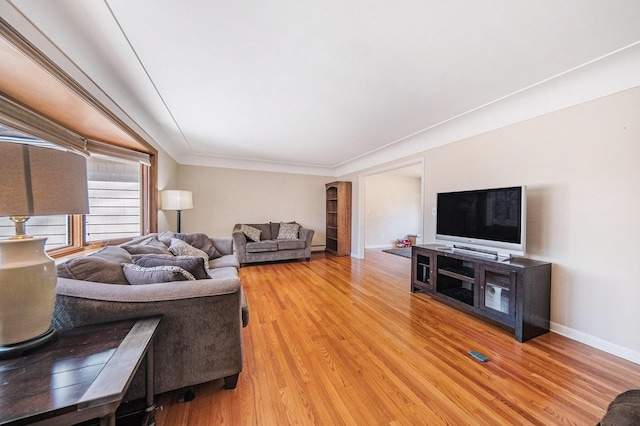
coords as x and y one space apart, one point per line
497 292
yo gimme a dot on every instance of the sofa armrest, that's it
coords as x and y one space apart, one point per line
306 234
239 239
148 293
239 244
200 335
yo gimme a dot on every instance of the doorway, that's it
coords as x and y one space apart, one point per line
391 206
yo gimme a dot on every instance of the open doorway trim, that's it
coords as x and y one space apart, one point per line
360 229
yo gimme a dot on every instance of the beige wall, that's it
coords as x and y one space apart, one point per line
167 179
581 166
224 197
393 208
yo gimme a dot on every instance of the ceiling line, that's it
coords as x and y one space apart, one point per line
230 157
148 75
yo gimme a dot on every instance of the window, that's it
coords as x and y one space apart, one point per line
114 200
119 202
55 228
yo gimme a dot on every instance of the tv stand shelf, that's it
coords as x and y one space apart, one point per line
514 292
462 273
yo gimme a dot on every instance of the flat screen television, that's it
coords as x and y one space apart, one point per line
488 219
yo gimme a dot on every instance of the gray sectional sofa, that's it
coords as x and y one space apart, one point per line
623 410
270 244
199 338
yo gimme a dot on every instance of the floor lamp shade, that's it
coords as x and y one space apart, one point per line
171 199
176 200
34 181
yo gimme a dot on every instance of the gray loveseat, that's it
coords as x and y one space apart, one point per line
199 338
270 244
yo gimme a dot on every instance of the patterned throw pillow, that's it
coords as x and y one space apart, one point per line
192 264
251 232
197 239
157 274
288 231
180 248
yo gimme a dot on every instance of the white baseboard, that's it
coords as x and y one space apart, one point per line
596 342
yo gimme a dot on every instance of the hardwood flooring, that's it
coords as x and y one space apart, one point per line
342 341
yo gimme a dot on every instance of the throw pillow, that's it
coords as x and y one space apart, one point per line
288 231
180 248
251 232
158 274
103 266
149 245
198 240
165 237
275 228
192 264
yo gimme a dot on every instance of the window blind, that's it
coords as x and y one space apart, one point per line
116 153
19 118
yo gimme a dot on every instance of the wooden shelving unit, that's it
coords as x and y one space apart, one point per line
338 199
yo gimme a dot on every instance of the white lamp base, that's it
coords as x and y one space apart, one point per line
16 350
27 295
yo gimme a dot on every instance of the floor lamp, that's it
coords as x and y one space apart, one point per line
34 181
176 200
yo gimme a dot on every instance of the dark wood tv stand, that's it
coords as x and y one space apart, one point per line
514 292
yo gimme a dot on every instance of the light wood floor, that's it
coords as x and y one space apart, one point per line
343 341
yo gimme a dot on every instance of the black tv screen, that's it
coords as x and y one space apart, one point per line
491 217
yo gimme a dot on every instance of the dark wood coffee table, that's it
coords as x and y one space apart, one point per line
82 375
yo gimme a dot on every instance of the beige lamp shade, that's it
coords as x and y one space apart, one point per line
176 200
39 181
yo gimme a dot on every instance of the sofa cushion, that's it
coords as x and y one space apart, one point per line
274 227
180 248
288 231
157 274
196 239
290 244
266 230
251 232
192 264
261 246
104 266
146 245
223 273
228 260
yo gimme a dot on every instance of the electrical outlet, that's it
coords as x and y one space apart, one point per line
433 211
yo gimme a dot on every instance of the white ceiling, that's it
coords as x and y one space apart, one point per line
300 85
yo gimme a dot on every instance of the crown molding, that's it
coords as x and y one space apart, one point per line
610 74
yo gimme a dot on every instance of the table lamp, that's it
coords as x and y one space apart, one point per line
34 181
176 200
